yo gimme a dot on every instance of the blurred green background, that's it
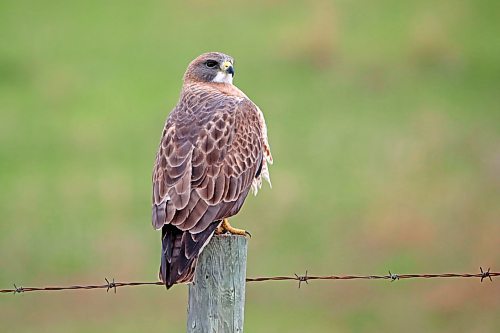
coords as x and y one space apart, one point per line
384 122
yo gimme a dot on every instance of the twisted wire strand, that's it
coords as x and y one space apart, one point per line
112 285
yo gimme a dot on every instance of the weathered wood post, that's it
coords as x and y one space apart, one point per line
217 296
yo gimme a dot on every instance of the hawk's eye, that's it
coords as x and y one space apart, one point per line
211 63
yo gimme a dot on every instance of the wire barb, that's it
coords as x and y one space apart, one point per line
485 274
393 277
302 278
110 284
18 290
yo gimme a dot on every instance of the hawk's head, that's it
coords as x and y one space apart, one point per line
211 67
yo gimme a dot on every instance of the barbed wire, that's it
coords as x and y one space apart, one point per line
112 285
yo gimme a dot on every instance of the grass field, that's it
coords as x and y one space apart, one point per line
384 122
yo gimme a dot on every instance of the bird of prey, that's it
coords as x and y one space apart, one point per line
213 152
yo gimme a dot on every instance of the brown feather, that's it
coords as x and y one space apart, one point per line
209 216
195 215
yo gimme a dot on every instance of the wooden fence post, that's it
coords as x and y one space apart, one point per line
217 296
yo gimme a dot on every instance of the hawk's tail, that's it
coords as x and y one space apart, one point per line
180 251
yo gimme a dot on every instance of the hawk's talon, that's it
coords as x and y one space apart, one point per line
234 231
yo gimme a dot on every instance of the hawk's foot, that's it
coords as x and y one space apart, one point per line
226 227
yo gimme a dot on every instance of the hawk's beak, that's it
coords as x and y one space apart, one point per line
227 67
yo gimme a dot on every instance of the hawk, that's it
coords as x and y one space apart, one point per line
213 152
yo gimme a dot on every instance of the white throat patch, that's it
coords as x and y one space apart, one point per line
223 77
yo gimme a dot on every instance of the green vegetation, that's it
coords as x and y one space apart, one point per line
384 122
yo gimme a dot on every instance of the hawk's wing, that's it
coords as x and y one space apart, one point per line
210 152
